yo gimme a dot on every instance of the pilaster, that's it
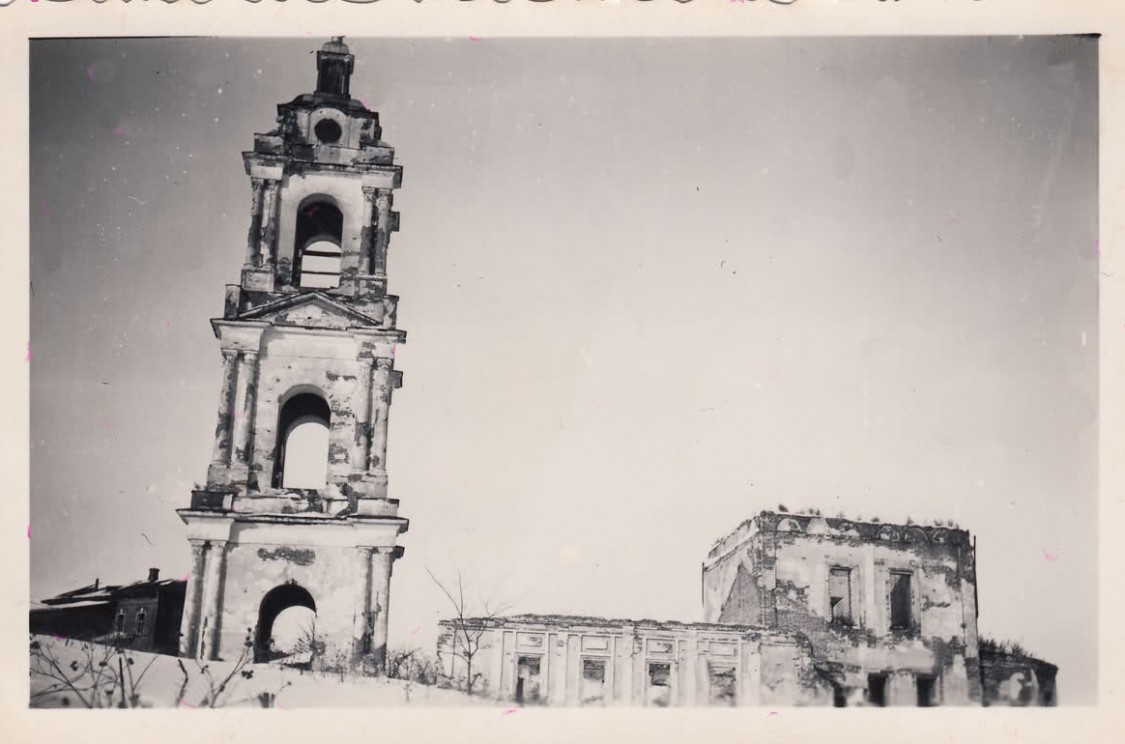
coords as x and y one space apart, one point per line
382 233
267 248
220 456
245 399
214 574
382 564
381 386
189 624
362 621
366 237
254 236
363 415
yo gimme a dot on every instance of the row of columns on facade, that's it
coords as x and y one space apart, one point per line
203 609
377 218
234 433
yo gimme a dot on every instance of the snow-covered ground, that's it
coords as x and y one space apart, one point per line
160 682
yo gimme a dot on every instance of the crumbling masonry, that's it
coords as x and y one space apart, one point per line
308 339
798 609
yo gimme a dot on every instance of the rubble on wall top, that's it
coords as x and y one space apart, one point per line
602 622
812 522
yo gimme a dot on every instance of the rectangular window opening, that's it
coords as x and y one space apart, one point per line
901 601
877 689
593 681
140 621
927 690
527 679
724 689
659 684
119 621
840 595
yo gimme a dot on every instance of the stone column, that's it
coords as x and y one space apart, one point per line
266 247
381 384
366 236
255 235
189 626
212 599
382 232
363 414
361 631
382 560
220 456
244 407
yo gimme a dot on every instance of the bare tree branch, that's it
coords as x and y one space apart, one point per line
467 631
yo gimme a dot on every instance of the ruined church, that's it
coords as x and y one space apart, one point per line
797 608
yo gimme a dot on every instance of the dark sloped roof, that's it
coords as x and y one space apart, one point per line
109 592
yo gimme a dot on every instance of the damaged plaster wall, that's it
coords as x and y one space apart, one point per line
777 571
596 662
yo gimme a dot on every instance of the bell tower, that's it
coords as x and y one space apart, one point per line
295 510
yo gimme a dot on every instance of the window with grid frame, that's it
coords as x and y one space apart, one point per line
840 596
901 599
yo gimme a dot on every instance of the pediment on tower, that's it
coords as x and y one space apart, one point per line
311 310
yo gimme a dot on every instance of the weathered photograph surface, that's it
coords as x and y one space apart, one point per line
741 372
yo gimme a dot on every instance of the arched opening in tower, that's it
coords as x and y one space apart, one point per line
317 254
286 631
301 458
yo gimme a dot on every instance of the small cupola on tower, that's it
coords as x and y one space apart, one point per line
334 65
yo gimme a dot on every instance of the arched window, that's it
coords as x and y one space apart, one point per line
316 255
286 624
301 457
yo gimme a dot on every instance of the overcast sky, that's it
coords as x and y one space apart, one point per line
651 288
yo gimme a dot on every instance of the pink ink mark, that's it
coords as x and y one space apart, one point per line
29 532
509 712
416 631
57 637
43 206
188 576
773 713
28 357
237 414
105 424
186 705
168 324
475 38
1048 556
116 131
